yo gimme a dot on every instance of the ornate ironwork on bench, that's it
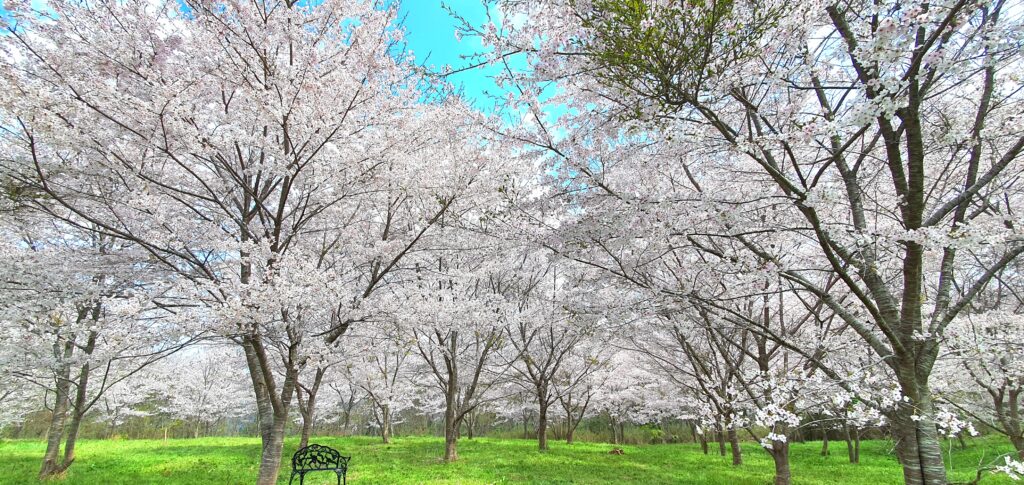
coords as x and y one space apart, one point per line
317 458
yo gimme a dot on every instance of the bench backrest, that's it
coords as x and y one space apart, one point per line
317 457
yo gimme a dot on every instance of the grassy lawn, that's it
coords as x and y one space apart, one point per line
417 460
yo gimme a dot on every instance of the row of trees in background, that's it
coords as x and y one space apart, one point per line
754 217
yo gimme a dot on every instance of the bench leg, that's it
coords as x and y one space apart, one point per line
291 478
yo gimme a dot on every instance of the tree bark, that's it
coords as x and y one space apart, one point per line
307 407
542 424
451 422
852 444
917 443
55 431
78 409
780 454
824 444
734 446
272 410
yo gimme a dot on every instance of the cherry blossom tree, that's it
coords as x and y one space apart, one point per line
273 155
201 385
459 316
887 133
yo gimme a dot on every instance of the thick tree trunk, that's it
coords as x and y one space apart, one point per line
451 452
734 446
824 444
721 442
272 410
55 431
703 444
270 457
385 424
780 454
917 443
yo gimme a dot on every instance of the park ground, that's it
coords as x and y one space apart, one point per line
482 461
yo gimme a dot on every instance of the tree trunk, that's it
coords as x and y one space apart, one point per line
385 425
734 446
78 410
271 409
270 457
721 442
851 448
1018 444
55 432
703 444
451 423
856 447
780 454
542 424
450 443
824 444
917 442
471 424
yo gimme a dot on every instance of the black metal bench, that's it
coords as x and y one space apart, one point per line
316 458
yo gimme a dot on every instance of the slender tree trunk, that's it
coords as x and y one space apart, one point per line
824 444
526 426
1009 415
721 442
734 446
78 409
851 451
703 444
471 424
451 423
542 424
856 447
307 407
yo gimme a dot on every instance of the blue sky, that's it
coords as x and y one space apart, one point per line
430 30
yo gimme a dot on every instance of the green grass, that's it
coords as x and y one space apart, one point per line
417 460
